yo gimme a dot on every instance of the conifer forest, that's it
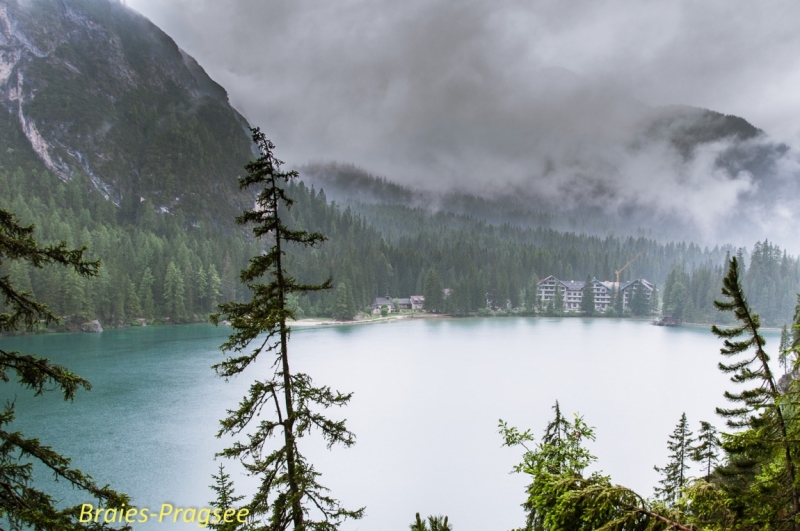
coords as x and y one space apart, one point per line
578 215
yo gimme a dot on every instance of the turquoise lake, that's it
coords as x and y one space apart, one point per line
428 394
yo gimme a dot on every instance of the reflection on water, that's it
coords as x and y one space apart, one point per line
428 395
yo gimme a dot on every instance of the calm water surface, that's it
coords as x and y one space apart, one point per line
428 396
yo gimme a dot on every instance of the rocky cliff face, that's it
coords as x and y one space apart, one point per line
97 89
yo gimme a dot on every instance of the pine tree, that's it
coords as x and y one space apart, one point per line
434 523
214 284
201 281
434 298
146 294
639 304
785 349
23 505
674 473
345 307
532 301
707 449
289 495
761 408
174 299
226 499
558 301
619 301
587 301
654 300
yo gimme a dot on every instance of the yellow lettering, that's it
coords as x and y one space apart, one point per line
229 514
144 514
86 510
129 514
175 518
113 518
164 512
242 515
217 515
187 518
202 519
97 514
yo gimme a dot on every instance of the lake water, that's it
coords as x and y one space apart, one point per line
428 396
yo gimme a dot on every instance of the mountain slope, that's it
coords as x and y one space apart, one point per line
95 88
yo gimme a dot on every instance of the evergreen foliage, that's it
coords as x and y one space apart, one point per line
23 505
345 306
562 498
674 473
289 495
587 301
761 413
558 301
785 348
432 291
226 499
706 452
434 523
753 487
639 304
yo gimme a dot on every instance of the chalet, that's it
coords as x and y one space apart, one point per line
404 304
417 302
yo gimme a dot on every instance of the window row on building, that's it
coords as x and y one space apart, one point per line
572 292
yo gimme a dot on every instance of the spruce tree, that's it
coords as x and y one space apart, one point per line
289 495
707 449
434 298
674 473
174 293
532 301
619 301
226 499
558 302
761 408
785 349
345 307
587 301
434 523
23 505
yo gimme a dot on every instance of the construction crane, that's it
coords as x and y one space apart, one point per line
618 271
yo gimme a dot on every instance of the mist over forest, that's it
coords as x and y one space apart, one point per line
541 182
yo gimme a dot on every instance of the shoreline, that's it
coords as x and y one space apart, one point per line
309 323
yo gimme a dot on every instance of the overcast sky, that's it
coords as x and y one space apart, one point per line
330 69
536 93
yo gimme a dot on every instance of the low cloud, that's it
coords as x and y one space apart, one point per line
552 100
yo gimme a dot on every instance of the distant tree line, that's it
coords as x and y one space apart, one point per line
166 266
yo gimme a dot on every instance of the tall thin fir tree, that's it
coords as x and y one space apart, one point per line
434 523
674 473
706 451
761 408
226 500
784 349
558 301
23 503
587 301
289 495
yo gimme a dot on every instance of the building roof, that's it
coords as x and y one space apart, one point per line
417 298
380 301
628 283
403 301
573 285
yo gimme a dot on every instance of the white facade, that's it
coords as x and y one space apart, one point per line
572 292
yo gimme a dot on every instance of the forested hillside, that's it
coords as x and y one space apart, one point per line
772 282
114 137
